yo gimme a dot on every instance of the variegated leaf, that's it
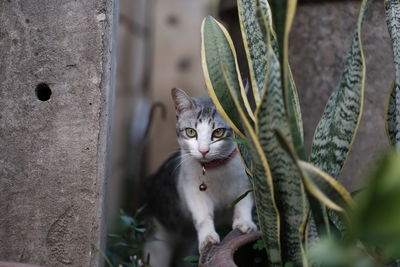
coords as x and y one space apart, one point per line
294 118
218 53
338 126
245 156
254 41
335 200
291 97
256 25
339 221
392 121
267 18
283 12
267 212
325 188
290 195
319 221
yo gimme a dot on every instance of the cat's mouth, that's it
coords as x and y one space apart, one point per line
215 162
205 160
212 158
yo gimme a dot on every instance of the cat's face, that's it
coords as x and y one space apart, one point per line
199 127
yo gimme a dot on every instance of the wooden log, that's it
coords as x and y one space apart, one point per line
221 255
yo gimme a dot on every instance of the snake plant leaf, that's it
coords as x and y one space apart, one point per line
320 220
294 118
296 126
242 147
283 13
267 211
338 126
237 200
290 195
392 121
255 20
256 25
329 193
245 157
325 188
339 221
392 115
292 102
218 52
254 40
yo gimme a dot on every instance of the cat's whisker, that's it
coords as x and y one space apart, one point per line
173 151
184 158
188 156
181 155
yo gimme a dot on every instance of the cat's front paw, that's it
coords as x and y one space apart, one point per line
245 226
212 238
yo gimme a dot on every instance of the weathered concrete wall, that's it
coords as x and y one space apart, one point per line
53 156
319 43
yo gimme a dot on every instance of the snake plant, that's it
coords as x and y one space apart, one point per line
392 113
298 199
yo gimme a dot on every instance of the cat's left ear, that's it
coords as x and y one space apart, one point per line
181 100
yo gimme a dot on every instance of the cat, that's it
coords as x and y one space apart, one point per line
195 183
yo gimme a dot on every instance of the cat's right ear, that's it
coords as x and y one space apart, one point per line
181 100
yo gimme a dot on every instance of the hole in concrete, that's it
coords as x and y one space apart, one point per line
27 21
172 20
183 64
43 92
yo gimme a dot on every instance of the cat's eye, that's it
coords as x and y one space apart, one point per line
218 132
190 132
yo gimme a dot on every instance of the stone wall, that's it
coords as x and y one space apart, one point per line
56 87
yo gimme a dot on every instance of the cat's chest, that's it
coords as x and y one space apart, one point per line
224 183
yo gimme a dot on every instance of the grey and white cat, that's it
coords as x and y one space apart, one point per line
181 201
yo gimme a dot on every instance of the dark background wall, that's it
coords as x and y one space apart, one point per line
320 41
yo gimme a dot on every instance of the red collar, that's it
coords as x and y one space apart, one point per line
218 162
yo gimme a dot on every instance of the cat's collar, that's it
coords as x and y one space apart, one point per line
218 162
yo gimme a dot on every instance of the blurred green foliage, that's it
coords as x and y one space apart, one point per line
129 235
373 237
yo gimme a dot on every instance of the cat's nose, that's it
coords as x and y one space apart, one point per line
204 151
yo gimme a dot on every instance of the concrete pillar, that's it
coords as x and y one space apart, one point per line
56 88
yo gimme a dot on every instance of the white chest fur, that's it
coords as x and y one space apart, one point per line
224 185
